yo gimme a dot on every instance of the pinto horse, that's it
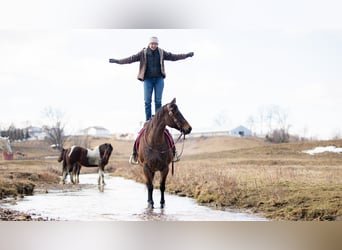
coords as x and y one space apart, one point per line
75 157
155 153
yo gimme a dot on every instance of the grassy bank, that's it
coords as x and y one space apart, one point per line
19 178
279 181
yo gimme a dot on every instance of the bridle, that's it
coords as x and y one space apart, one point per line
179 127
174 118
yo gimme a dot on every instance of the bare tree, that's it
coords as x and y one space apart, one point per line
251 123
82 141
55 129
222 119
273 119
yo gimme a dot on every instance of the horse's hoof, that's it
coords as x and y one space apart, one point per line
150 206
162 205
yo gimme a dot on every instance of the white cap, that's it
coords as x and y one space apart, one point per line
154 39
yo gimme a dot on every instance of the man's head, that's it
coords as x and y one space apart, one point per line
153 42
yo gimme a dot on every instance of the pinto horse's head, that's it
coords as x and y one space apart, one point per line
176 119
61 156
107 151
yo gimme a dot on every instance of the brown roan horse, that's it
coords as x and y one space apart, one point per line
155 153
75 157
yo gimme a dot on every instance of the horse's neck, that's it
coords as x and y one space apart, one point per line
155 132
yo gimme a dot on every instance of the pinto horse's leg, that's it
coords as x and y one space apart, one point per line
72 178
162 186
149 175
75 172
101 175
78 170
66 170
64 175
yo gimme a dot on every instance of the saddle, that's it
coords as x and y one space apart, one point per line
166 132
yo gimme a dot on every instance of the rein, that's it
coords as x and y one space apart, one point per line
180 155
178 139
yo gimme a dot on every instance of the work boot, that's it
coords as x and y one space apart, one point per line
133 159
175 155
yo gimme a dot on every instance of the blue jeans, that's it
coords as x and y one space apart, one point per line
156 84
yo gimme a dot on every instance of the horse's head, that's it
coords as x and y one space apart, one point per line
107 151
176 119
61 156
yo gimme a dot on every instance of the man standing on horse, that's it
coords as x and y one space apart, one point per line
152 72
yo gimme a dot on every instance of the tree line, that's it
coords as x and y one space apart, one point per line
15 134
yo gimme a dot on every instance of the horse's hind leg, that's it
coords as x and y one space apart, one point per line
76 173
65 172
149 175
162 187
64 175
72 177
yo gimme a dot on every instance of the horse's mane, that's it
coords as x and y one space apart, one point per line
154 122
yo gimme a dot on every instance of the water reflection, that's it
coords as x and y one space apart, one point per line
120 200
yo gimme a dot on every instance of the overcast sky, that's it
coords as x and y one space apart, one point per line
249 56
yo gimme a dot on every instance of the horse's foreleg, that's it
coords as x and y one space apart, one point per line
101 176
149 175
162 187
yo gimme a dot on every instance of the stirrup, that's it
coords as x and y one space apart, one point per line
133 160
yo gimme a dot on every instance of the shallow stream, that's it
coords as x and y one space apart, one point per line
120 200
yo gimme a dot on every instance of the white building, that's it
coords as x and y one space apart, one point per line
95 131
241 131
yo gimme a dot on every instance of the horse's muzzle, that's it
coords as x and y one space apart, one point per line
186 130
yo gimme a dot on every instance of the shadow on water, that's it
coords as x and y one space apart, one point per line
120 200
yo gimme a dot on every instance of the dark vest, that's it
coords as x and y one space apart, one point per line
153 68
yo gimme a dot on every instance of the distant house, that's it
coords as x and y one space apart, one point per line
95 131
241 131
36 133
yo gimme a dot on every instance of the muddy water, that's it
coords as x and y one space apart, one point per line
121 200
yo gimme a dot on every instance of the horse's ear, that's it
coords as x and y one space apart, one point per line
173 101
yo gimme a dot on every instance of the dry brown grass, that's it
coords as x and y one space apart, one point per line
277 180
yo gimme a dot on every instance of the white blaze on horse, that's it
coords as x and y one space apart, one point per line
75 157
